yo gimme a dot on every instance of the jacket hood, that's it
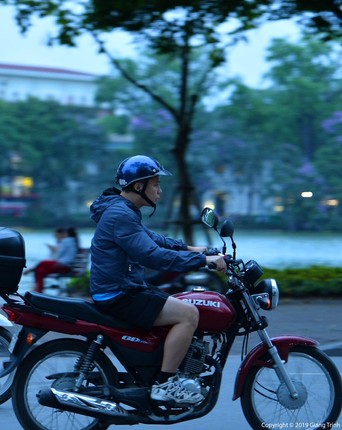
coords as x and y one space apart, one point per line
107 198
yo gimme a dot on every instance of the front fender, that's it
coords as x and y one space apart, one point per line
284 344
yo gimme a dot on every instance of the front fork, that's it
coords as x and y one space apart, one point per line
279 365
279 348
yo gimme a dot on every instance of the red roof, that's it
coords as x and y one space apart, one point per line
42 69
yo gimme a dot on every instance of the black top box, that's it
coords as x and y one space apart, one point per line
12 259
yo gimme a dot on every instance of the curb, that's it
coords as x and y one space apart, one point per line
333 349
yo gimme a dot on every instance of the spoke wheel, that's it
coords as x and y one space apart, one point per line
57 357
267 403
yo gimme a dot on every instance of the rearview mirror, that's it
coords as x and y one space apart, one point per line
227 229
209 218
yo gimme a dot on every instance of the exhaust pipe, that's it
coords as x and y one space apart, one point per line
85 405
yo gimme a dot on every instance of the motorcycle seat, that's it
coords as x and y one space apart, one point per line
74 308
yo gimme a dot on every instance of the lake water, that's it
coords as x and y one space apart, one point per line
269 249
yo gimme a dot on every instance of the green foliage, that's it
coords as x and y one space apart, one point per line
55 144
44 132
79 286
286 138
202 16
310 281
118 124
329 157
304 86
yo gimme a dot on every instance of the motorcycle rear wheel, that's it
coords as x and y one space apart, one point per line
266 402
50 358
5 381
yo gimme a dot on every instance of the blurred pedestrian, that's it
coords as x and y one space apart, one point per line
64 255
59 235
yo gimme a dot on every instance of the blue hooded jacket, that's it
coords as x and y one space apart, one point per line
122 246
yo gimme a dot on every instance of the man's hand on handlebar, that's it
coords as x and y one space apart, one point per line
213 257
216 262
204 250
201 249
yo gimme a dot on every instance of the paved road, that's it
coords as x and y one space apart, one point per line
317 318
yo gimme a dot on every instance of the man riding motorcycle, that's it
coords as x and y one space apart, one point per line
121 247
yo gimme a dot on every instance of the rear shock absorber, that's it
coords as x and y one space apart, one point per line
84 364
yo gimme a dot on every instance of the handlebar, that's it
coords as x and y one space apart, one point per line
230 262
212 251
228 259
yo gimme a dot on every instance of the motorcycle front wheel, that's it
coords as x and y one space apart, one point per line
5 381
50 363
266 402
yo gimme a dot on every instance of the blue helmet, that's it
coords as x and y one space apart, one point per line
138 168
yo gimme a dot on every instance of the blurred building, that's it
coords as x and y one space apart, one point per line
18 83
68 87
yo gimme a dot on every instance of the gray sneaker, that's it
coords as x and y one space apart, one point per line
173 389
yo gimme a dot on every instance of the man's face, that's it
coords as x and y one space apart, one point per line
153 190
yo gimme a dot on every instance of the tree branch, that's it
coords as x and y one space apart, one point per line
132 80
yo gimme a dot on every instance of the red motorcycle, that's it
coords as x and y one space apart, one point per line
103 377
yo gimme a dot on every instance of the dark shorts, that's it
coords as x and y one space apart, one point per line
136 306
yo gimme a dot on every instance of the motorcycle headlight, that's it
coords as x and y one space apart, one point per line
253 271
266 294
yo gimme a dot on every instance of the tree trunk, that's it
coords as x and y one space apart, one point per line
185 186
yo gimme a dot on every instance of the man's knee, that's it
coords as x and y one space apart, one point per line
192 315
178 312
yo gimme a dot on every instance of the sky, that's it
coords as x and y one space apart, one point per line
246 59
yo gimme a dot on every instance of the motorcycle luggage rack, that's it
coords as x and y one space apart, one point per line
8 297
31 309
22 303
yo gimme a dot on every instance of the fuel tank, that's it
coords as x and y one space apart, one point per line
216 312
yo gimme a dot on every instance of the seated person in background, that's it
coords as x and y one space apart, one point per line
64 257
59 235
